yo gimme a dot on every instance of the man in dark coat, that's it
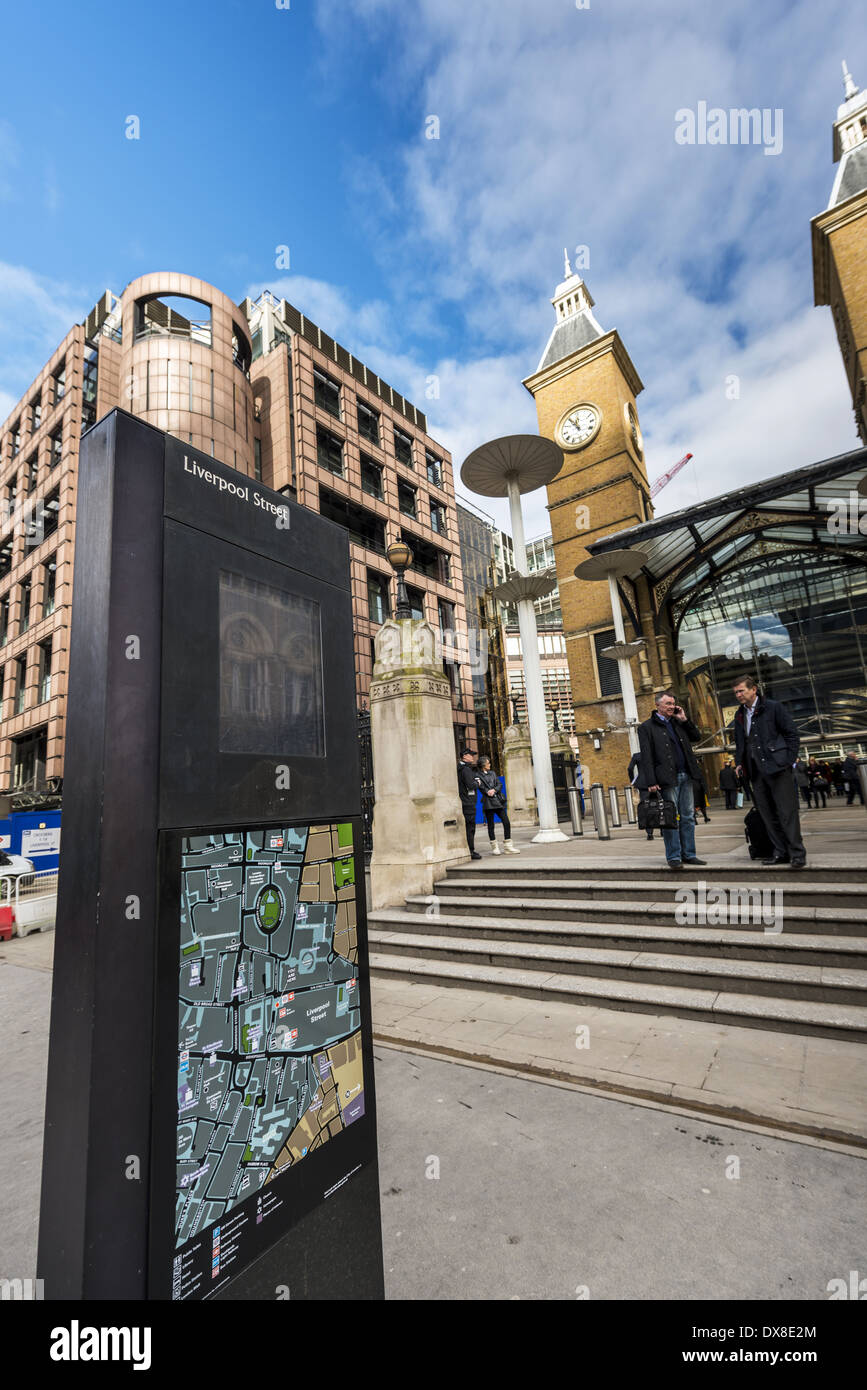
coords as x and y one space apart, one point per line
728 783
668 764
849 773
766 743
468 786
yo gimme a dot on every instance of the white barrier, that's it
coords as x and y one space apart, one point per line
33 898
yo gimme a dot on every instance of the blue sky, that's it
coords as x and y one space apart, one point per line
306 127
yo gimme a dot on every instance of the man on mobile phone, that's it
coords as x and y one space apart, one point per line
766 746
668 765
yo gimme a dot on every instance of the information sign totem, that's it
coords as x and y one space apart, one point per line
210 1115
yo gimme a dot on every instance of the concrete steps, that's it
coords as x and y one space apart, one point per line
826 984
821 921
450 919
797 891
605 932
745 1010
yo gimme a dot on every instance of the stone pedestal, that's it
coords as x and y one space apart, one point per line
518 772
418 828
560 743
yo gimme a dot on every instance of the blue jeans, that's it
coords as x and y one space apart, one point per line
680 842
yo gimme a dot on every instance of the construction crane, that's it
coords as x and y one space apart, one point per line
667 477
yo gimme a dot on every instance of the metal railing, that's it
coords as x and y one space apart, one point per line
33 899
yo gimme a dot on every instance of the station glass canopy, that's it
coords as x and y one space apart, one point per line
770 579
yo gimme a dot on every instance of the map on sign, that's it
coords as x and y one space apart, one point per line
269 1035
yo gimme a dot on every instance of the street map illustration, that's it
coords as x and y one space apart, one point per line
269 1039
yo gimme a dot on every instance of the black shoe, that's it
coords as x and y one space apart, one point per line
675 864
777 859
474 855
799 863
695 861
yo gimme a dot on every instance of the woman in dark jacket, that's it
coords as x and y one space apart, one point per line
494 804
818 782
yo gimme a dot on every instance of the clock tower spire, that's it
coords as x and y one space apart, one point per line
839 237
585 388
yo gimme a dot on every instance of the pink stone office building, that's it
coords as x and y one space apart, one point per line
257 386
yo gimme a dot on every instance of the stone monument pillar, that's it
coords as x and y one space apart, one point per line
418 828
518 772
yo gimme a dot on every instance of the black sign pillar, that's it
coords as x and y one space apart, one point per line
210 1115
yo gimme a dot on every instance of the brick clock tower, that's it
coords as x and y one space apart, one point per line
840 245
585 389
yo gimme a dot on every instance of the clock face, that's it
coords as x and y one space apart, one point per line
579 426
634 431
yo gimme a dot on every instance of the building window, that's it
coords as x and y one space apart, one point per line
56 447
26 595
46 516
446 614
175 316
28 760
35 413
378 605
257 459
59 382
326 393
88 389
16 437
368 423
2 691
416 601
49 587
403 448
4 621
6 558
31 471
44 671
434 468
329 451
371 477
364 527
20 683
609 672
438 518
406 499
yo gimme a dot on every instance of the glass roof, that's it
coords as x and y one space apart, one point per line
671 541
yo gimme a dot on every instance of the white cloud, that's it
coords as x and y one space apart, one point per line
36 313
557 125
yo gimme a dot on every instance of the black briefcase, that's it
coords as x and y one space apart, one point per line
656 813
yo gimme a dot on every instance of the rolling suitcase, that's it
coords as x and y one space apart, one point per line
758 839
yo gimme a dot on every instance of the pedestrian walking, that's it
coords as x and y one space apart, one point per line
728 784
802 782
837 778
632 775
468 786
818 782
766 743
668 765
850 778
494 804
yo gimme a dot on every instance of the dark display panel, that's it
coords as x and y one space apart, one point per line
270 670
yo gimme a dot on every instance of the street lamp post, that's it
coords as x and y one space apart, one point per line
612 566
509 467
399 556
